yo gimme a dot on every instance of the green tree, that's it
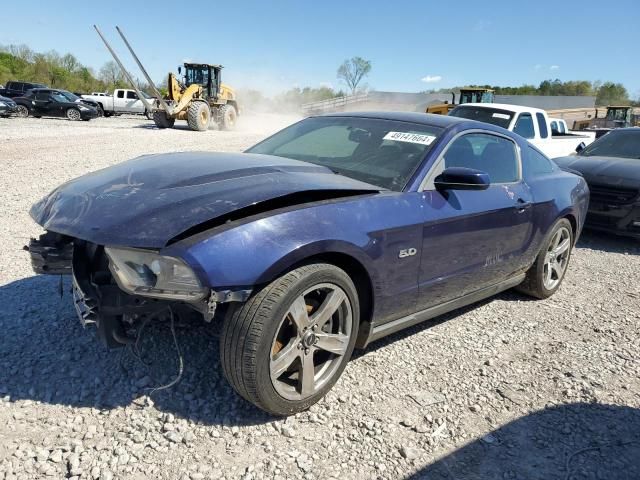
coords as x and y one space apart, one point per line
611 94
353 71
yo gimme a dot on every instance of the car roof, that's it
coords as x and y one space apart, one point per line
431 119
503 106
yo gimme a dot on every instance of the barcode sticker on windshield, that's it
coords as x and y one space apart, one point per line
501 115
410 137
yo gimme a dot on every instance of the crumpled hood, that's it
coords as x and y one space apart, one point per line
614 171
147 201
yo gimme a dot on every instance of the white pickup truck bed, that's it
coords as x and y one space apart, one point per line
531 123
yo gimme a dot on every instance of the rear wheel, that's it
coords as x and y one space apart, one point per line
198 116
286 347
228 117
100 111
161 120
73 114
22 111
546 274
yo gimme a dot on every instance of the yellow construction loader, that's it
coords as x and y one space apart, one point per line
199 98
467 95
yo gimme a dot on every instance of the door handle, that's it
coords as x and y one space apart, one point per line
522 205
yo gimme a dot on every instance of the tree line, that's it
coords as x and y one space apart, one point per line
19 62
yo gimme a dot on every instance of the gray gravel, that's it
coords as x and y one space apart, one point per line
510 388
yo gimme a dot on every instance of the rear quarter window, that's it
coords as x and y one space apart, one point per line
535 163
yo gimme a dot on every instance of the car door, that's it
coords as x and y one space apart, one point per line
42 103
133 103
474 238
119 101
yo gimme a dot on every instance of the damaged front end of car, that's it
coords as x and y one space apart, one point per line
119 289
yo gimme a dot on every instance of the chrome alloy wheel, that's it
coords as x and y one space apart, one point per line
310 341
556 258
73 114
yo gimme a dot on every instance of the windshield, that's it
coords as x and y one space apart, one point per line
381 152
616 143
495 116
70 96
199 76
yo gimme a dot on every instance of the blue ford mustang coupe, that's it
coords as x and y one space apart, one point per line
332 233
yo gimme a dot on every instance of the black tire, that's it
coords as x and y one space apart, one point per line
162 121
250 333
100 111
22 111
198 116
73 114
107 114
534 282
228 117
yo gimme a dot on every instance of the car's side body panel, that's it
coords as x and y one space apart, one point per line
372 229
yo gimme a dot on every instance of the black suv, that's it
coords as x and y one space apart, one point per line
18 89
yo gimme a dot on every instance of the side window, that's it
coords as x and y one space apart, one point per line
42 96
542 125
132 95
524 126
120 94
562 128
535 163
554 127
488 153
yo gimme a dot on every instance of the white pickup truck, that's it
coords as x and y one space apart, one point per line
121 101
530 123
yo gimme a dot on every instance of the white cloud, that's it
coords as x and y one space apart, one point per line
431 79
481 25
554 67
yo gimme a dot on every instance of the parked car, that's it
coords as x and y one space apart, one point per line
18 89
122 101
330 234
7 106
611 167
530 123
40 102
74 97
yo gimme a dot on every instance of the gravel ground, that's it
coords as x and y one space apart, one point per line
510 388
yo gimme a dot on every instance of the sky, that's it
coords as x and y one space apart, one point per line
413 45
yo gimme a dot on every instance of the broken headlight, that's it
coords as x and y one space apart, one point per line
148 273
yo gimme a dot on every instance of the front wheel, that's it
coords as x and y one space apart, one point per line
547 272
73 114
22 111
198 116
288 344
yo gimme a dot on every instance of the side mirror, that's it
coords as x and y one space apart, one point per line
179 70
580 147
462 178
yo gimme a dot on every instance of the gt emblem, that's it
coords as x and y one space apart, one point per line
407 252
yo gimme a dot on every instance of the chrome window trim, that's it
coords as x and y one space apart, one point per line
438 166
